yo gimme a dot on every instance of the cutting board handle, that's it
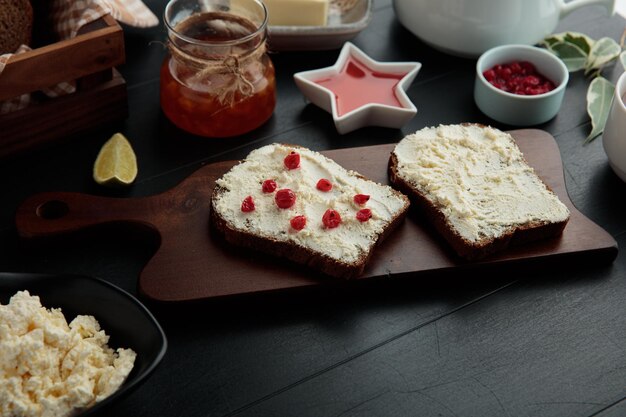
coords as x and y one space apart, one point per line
57 213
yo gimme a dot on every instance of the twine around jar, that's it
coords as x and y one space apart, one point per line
231 64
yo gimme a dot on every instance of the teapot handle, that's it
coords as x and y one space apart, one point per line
567 8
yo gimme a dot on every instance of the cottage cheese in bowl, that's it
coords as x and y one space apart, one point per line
51 368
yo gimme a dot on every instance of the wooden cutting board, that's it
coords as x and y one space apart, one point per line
192 263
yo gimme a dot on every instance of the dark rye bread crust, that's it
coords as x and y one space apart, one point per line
468 250
296 253
16 24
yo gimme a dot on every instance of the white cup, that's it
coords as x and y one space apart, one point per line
614 136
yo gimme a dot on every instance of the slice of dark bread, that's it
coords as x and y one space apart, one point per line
16 24
475 187
341 251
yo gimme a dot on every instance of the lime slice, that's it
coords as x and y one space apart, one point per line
116 164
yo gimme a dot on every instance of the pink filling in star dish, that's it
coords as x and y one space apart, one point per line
359 91
348 87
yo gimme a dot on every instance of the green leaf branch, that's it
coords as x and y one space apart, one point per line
579 52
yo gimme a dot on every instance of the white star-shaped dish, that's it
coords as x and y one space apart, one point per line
375 92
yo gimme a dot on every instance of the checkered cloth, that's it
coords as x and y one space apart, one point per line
132 12
70 16
19 102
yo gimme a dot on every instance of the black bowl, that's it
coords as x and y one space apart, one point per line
128 323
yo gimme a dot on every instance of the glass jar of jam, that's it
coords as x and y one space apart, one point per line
217 80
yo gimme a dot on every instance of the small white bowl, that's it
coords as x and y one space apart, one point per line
370 114
515 109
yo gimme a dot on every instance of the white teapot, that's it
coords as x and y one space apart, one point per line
470 27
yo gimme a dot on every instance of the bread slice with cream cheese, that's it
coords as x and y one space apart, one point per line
331 221
474 185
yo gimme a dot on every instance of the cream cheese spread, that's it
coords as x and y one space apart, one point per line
478 178
49 368
345 243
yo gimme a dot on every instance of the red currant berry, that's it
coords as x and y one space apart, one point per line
505 73
285 198
518 77
361 199
532 80
269 186
528 67
331 219
363 215
247 205
324 185
489 75
292 161
298 222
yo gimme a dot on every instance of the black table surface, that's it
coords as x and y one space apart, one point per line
538 342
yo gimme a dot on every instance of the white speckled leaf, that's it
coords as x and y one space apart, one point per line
581 40
602 52
599 95
553 39
572 56
622 58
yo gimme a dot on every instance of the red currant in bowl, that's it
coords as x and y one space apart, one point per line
520 85
518 77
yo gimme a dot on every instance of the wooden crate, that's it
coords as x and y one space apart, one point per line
100 97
